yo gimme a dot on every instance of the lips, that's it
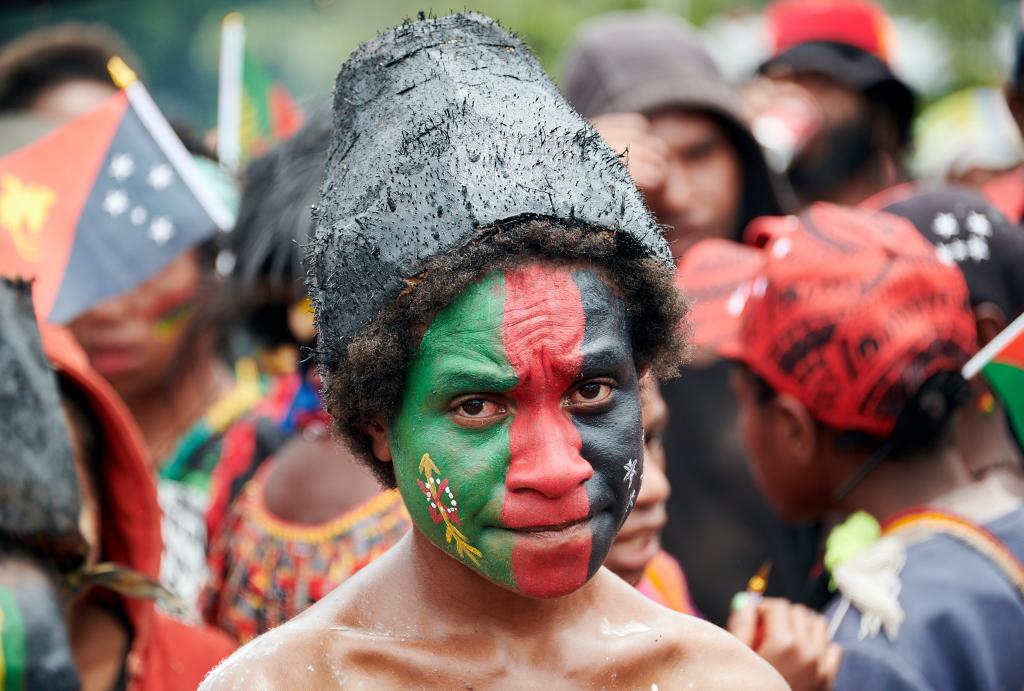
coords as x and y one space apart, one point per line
113 361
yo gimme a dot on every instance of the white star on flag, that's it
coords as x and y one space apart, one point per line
161 230
977 248
138 216
945 225
160 176
979 224
115 202
121 166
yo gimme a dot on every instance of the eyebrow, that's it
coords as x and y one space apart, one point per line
483 377
603 354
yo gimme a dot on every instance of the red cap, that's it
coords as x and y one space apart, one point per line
847 311
857 23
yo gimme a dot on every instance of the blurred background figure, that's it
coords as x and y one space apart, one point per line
651 90
299 524
1007 191
60 71
968 137
636 554
850 144
989 250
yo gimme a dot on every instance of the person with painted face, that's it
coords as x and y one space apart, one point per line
300 523
650 88
989 252
488 286
834 54
850 334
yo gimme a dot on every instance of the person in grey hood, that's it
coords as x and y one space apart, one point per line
646 83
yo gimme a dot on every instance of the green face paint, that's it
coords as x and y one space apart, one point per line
517 443
13 662
437 459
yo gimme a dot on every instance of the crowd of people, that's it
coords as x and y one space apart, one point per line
649 380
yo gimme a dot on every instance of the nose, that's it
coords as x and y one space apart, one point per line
546 455
655 488
678 194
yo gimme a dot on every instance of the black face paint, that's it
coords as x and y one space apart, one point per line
443 127
612 440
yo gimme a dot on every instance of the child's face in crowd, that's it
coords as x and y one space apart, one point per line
518 445
640 537
134 340
703 180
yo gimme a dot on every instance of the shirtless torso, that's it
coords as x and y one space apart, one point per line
382 629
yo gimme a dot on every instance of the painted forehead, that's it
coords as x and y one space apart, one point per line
530 307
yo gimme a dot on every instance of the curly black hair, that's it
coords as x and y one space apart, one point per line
365 381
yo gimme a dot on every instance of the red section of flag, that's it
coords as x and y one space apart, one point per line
285 115
43 188
1013 353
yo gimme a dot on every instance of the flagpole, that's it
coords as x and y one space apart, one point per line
985 355
229 93
158 127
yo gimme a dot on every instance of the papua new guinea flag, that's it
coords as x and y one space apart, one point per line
101 204
1002 364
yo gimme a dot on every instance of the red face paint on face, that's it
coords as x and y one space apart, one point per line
547 500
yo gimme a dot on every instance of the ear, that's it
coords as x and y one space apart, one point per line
795 429
377 431
990 320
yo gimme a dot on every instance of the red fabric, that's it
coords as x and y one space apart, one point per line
848 311
1006 193
853 22
165 654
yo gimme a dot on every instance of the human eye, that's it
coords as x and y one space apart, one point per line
476 410
591 394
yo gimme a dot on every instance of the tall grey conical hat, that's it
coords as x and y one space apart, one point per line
39 496
442 127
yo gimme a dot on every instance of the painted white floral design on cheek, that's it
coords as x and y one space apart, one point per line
630 469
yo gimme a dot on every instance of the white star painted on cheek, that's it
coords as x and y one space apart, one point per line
160 176
115 202
121 166
630 469
632 500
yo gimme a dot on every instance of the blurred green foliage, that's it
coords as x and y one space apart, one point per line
305 41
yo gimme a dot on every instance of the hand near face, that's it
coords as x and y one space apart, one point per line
646 155
793 639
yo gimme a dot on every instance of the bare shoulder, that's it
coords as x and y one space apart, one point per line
674 650
260 664
713 657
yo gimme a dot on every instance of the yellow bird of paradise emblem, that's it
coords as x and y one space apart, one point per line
24 207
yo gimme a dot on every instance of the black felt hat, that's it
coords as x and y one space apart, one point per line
443 127
39 497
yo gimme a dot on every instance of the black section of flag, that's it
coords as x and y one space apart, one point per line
139 216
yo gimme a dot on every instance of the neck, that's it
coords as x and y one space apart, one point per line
898 485
99 644
985 440
167 412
